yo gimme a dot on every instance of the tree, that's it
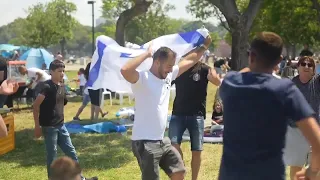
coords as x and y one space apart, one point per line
39 31
155 23
296 19
49 24
237 22
316 6
126 10
61 10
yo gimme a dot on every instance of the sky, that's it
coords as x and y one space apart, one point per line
83 14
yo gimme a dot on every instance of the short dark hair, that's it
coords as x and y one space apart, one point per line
268 48
56 64
81 70
64 168
163 54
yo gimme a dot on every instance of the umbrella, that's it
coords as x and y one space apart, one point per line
36 57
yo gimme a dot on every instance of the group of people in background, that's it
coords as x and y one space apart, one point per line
269 122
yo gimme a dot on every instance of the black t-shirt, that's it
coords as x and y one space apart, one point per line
51 109
4 68
191 92
216 115
256 108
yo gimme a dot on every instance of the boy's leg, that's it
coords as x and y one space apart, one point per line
50 135
85 101
64 142
195 127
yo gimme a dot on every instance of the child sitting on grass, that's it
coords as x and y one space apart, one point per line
217 114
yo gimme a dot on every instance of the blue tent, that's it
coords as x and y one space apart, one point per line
36 57
8 47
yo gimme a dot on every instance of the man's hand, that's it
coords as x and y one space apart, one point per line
213 77
8 87
37 132
303 175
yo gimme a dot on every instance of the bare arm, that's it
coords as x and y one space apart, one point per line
213 77
311 131
3 128
36 109
129 71
193 57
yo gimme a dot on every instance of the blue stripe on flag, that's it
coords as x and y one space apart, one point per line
94 72
125 55
193 37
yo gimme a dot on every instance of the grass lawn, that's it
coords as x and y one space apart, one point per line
106 156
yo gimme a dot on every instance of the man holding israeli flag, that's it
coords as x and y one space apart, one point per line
151 89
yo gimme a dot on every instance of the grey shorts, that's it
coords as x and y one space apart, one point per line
152 154
296 149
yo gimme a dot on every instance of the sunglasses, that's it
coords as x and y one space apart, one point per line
303 64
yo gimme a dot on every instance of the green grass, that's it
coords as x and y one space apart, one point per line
106 156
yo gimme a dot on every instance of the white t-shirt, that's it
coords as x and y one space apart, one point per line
32 73
152 103
82 80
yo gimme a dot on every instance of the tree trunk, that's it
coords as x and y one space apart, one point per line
294 51
316 6
240 25
140 7
62 46
239 55
287 47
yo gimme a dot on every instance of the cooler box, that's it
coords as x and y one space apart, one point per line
7 144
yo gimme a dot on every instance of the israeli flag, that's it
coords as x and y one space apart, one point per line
109 57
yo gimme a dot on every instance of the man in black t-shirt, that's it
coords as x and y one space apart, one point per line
189 110
3 77
48 115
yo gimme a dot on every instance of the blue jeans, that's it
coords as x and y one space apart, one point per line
195 126
57 136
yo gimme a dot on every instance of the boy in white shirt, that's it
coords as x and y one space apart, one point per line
152 90
82 80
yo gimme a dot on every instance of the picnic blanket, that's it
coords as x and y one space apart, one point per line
102 128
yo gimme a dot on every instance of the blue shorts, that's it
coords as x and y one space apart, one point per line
195 126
